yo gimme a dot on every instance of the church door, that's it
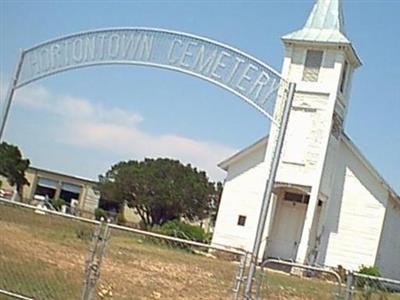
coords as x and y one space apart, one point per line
286 230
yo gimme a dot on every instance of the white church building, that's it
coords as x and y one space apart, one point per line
330 206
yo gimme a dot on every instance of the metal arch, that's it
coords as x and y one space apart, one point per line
160 30
257 107
26 71
275 78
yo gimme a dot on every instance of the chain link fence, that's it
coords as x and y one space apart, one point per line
42 256
145 265
363 287
278 279
49 255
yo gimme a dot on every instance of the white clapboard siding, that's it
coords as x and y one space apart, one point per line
356 214
296 139
242 194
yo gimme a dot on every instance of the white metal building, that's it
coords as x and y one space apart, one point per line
330 206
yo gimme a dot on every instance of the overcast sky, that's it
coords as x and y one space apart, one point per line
82 121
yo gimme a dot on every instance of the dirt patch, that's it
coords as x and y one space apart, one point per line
130 270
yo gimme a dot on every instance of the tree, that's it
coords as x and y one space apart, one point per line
215 203
159 189
13 166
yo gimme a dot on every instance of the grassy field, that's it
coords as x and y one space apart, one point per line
43 256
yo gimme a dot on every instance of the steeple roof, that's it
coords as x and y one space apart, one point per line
325 24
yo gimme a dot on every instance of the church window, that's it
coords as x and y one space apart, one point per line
312 65
241 220
343 77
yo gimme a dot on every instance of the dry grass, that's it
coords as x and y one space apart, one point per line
43 256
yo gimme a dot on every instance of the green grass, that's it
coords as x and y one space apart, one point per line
43 256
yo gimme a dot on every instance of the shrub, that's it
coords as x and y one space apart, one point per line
100 213
182 230
57 203
370 271
369 286
83 233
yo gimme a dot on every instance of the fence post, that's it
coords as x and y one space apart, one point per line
239 276
259 283
349 285
94 259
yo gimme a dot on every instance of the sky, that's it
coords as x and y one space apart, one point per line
83 121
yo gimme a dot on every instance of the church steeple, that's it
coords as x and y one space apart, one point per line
321 60
324 25
326 15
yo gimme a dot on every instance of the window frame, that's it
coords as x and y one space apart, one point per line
309 68
241 220
343 77
296 197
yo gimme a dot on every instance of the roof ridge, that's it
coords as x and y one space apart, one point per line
326 14
324 24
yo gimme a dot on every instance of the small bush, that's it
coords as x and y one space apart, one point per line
369 286
182 230
100 213
83 233
370 271
57 203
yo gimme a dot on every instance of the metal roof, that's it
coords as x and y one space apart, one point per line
79 178
325 24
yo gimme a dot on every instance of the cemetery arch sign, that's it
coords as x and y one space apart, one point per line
243 75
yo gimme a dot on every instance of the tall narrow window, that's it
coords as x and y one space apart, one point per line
312 65
343 78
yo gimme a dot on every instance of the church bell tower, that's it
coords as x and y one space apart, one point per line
320 59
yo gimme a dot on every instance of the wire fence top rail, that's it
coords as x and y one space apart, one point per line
322 270
14 295
367 287
175 239
52 212
297 265
382 279
134 230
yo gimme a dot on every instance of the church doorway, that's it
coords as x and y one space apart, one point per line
287 225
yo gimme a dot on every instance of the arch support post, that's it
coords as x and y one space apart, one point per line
268 191
10 93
